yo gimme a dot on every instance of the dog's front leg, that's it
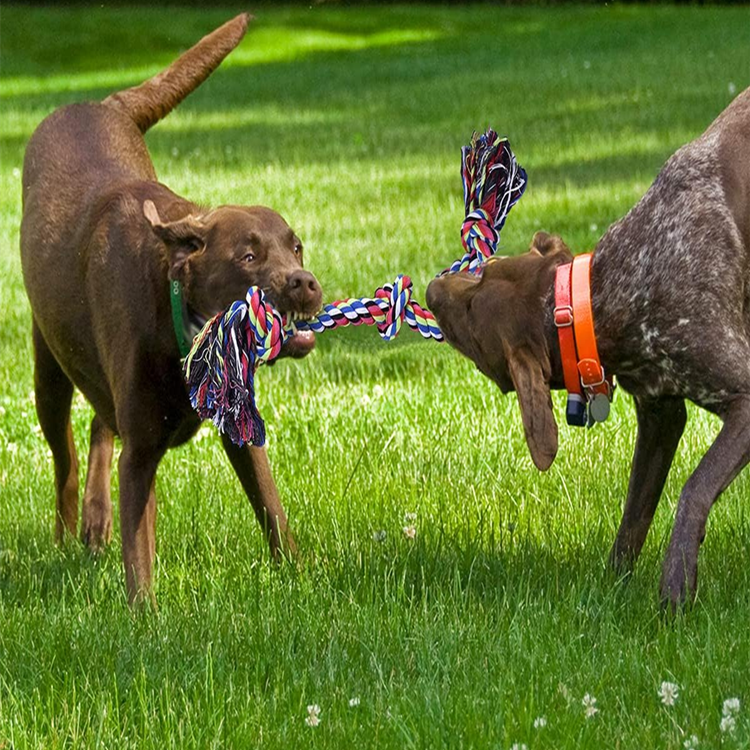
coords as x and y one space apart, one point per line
254 472
725 459
661 423
137 470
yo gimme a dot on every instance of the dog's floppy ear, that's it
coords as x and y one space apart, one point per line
545 244
182 237
531 380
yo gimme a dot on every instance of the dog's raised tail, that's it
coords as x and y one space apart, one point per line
150 101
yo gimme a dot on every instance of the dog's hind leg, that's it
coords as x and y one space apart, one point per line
53 394
254 472
661 423
96 514
725 459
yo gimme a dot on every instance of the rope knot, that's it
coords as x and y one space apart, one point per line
493 183
398 295
265 331
479 238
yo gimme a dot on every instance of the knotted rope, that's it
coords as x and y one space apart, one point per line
493 183
222 361
388 310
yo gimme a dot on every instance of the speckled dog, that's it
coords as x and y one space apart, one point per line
670 286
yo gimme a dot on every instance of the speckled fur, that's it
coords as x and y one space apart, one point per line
670 286
671 299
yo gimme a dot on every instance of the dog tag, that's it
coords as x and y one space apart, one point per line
599 407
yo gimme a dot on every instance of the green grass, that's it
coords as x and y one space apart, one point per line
501 610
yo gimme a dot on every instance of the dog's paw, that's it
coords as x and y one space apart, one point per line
679 581
96 526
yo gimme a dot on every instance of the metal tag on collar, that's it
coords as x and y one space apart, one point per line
599 407
575 410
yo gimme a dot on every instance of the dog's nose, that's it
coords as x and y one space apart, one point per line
433 294
304 290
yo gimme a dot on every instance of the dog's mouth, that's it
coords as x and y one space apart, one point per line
301 341
299 344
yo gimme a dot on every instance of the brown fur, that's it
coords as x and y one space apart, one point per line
100 240
669 286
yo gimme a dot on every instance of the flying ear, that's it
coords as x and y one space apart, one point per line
182 237
545 244
532 387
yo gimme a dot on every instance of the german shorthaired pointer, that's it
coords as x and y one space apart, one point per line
670 291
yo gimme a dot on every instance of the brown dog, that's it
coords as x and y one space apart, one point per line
669 287
101 241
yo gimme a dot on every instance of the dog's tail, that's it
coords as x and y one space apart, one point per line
148 103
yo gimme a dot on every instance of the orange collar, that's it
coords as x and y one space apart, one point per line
590 390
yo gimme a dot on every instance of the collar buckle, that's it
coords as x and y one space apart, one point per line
592 374
563 316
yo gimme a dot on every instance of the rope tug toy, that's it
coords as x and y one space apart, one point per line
221 364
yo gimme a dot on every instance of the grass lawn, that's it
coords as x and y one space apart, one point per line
501 610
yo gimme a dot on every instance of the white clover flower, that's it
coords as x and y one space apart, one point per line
691 743
731 707
410 517
732 88
378 536
589 706
365 400
12 448
669 692
175 151
377 391
353 702
2 411
728 724
16 172
410 532
593 227
540 722
313 715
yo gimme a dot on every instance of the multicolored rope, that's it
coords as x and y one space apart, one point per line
221 364
388 310
493 183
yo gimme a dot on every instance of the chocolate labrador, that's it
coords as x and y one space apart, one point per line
670 292
102 241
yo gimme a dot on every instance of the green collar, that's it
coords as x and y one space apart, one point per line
178 317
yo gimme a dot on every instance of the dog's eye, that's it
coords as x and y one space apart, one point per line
297 249
249 257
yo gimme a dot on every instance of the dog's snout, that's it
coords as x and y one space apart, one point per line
433 294
303 288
